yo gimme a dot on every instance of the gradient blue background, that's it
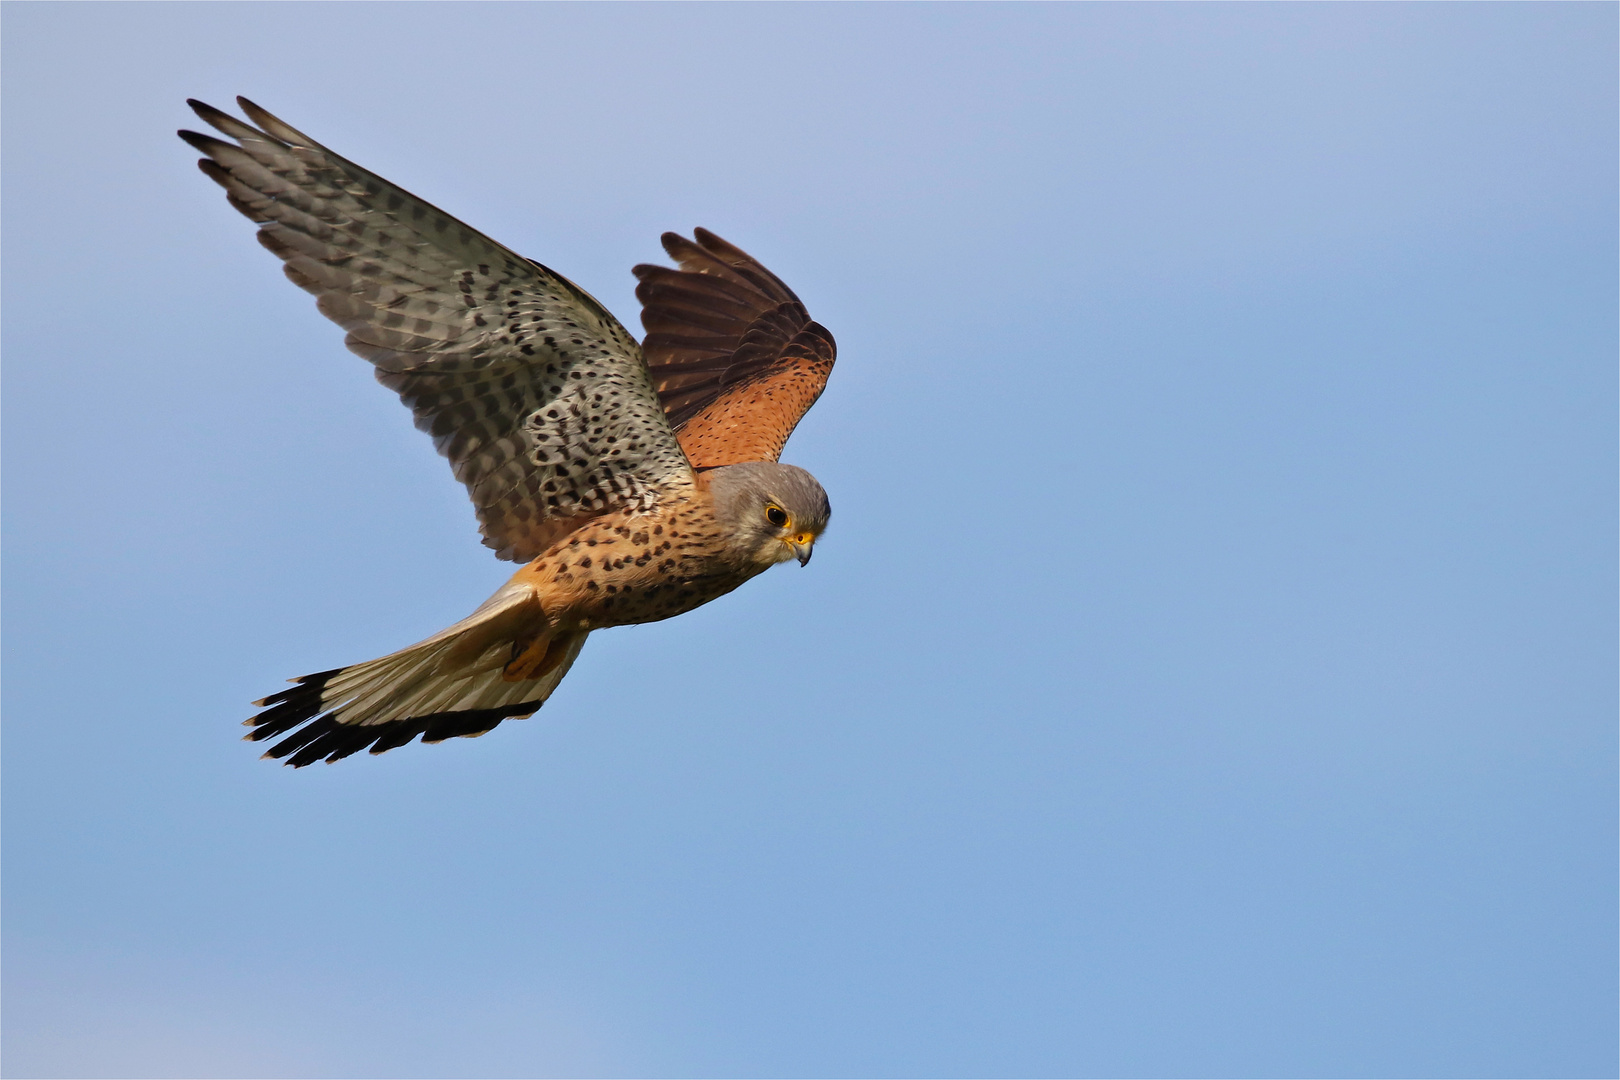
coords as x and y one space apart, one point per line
1210 670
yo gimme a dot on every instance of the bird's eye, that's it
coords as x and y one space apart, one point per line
776 516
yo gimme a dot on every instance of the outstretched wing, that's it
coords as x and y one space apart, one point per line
534 392
732 351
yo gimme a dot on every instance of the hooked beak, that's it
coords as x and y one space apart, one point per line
802 551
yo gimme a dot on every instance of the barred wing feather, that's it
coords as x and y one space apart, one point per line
535 393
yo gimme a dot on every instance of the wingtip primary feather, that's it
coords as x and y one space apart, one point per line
206 112
200 141
225 123
725 250
274 126
202 108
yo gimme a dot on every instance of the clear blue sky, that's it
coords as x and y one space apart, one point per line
1210 669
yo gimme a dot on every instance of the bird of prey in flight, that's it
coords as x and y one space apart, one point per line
633 482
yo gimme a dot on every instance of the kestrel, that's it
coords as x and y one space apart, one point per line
633 482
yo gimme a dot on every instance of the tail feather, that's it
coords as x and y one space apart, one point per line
399 685
451 685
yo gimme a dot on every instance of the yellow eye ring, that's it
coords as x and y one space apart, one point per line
776 516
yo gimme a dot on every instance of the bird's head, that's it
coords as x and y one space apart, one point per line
772 512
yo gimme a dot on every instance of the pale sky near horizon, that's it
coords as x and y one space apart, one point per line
1209 670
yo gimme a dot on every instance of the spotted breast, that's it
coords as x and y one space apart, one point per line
637 567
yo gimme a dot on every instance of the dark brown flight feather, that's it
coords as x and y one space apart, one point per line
734 356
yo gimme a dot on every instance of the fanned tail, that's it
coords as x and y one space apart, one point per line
460 682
